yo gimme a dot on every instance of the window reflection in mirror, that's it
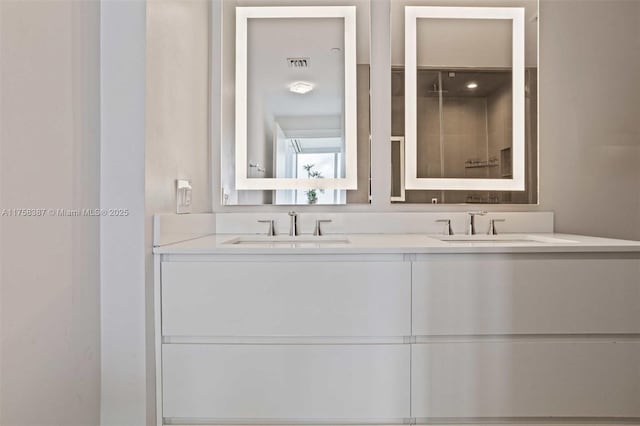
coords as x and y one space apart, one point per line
296 124
464 102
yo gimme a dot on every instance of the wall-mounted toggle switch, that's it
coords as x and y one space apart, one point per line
183 196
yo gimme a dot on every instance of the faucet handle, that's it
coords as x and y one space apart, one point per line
317 231
471 229
448 230
272 229
293 224
492 226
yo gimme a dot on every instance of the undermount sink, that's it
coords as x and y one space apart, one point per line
306 240
501 239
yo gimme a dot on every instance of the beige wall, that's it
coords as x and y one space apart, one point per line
590 115
49 266
176 125
177 102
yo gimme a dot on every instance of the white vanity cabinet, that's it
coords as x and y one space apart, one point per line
527 294
526 336
564 377
286 382
286 298
457 338
284 340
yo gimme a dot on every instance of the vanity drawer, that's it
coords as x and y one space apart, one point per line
491 294
538 378
287 382
286 298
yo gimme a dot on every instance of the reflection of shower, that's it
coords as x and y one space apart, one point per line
438 90
437 87
464 130
462 133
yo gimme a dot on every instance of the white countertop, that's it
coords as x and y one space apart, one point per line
395 244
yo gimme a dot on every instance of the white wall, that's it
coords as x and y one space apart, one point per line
49 158
122 239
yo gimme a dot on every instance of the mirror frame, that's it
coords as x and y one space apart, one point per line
348 13
412 181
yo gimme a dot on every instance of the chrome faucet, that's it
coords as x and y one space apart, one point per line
471 229
293 227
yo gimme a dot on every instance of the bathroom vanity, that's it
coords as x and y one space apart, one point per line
385 320
397 329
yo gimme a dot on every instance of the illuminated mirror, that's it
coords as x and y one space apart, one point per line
300 101
464 87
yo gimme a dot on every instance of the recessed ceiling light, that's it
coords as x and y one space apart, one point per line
472 85
301 87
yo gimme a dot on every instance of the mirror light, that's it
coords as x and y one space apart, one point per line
516 16
301 87
350 131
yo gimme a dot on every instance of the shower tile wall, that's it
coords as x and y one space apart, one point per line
473 128
499 125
